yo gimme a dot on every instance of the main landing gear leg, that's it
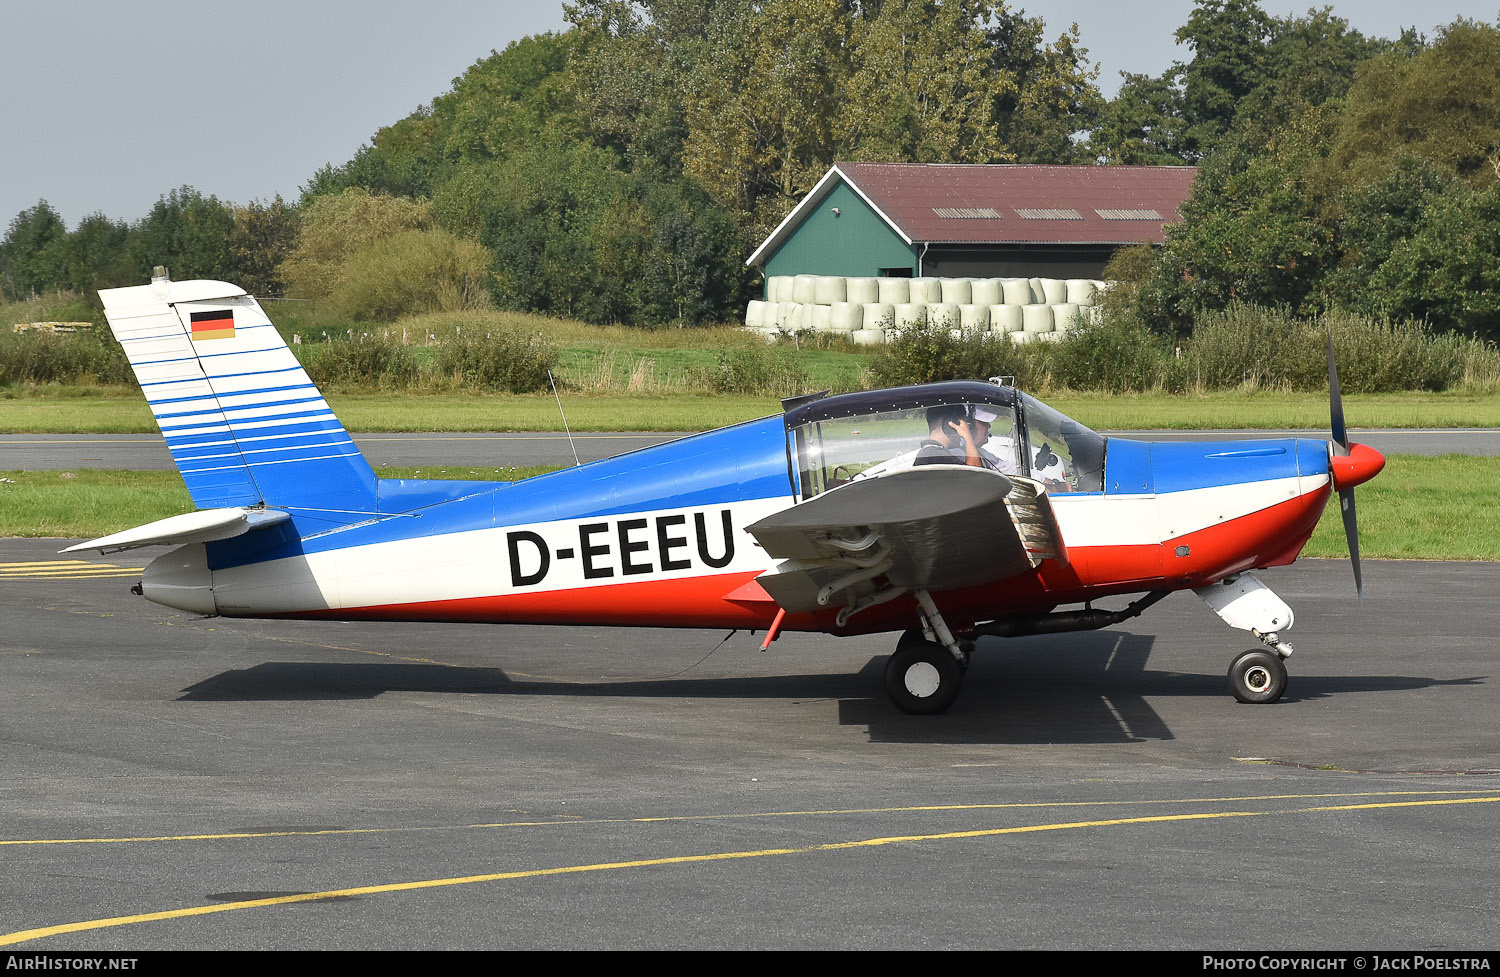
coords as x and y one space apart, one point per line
923 676
1244 602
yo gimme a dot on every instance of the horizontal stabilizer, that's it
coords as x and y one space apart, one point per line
203 526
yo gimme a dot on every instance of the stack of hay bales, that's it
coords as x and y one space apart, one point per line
872 311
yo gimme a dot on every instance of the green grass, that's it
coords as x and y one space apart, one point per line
103 410
1418 508
1421 508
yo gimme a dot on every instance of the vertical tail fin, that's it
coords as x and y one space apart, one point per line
244 423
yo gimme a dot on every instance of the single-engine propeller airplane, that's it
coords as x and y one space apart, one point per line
946 511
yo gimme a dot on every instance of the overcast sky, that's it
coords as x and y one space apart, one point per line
105 105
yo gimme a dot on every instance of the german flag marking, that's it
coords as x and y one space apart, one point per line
218 324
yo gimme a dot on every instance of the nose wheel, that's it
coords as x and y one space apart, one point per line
1257 676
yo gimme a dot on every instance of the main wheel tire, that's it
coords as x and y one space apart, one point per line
922 677
1257 676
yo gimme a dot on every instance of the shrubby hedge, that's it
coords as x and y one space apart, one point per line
1241 346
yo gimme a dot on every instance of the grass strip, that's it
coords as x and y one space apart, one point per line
119 410
1420 507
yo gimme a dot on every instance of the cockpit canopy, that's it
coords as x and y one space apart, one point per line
839 439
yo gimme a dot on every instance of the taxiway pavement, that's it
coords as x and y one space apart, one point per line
169 781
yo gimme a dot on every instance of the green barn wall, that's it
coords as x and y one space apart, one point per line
855 242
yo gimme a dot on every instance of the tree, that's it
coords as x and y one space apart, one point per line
1442 104
1257 229
1056 94
1228 39
1143 125
186 232
97 256
761 106
1448 272
33 255
334 226
925 86
263 237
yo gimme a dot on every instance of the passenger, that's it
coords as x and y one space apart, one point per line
955 433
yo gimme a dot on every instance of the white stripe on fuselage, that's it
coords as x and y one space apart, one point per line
567 554
1132 520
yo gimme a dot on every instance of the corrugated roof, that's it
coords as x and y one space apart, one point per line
1036 204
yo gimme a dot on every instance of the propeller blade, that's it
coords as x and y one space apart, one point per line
1336 402
1351 533
1340 446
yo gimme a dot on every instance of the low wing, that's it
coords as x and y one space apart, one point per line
936 527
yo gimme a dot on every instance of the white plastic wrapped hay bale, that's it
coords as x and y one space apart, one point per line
894 291
805 289
1022 337
755 314
786 316
819 317
928 290
910 315
986 291
862 290
1054 290
1017 291
828 289
974 318
1005 318
1036 318
1081 291
943 315
879 315
958 291
779 289
1090 315
868 337
1048 337
845 317
1064 316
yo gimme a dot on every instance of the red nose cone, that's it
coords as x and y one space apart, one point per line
1361 464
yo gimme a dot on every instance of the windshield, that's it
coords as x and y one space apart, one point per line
1064 455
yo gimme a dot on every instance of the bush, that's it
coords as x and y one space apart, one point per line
412 272
364 361
765 370
1267 348
72 358
926 354
500 360
1117 355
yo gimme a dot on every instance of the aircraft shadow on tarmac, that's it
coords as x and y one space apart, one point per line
1082 688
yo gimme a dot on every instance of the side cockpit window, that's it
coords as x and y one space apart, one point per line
868 439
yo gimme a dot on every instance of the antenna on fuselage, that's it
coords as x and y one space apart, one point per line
552 380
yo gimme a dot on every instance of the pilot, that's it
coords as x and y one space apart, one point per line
955 433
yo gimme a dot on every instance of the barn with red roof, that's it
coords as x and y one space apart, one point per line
973 221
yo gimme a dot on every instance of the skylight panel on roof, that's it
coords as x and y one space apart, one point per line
1129 215
1048 214
967 213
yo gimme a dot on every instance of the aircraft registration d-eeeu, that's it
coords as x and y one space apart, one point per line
946 512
